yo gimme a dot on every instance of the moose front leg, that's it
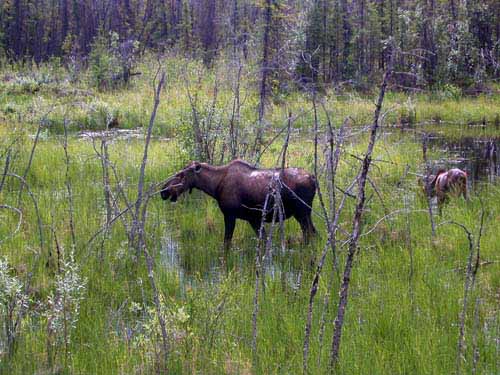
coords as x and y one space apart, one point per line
229 224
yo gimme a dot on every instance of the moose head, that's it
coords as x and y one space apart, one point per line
182 181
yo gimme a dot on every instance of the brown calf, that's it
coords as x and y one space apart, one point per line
444 183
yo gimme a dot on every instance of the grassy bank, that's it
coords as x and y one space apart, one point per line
52 93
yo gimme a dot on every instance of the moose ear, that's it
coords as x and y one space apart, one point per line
197 167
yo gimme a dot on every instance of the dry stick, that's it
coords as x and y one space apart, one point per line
278 202
5 169
138 227
257 281
277 135
33 148
356 226
9 147
330 244
318 188
266 259
287 140
463 313
331 159
475 348
333 163
263 83
58 247
475 329
469 277
19 222
105 179
68 186
35 205
198 139
276 185
314 287
478 243
210 148
428 188
383 218
326 302
379 195
130 206
103 156
332 230
409 244
121 192
235 114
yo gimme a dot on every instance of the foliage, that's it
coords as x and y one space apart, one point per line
326 41
111 61
13 303
63 306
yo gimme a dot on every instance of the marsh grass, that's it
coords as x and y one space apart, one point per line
26 94
387 329
394 324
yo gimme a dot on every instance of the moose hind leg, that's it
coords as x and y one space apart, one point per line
307 227
229 224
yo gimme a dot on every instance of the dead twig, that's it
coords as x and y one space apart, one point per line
20 214
428 188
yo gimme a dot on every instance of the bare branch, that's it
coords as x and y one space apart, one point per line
20 213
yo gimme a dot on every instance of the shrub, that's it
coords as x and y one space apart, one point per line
13 304
111 61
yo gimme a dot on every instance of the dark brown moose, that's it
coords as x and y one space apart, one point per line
241 190
444 183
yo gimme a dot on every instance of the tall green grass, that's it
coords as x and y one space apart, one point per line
394 323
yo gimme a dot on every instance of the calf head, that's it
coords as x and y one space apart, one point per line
182 181
428 183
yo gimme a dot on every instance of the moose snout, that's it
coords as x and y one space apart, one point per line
165 194
169 193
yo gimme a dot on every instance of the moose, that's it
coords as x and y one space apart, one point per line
444 183
244 192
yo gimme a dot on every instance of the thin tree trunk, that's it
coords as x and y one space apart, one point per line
67 182
427 186
137 229
356 230
264 76
140 218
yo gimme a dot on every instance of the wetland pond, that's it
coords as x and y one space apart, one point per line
477 154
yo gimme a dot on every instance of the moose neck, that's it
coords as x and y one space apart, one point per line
209 179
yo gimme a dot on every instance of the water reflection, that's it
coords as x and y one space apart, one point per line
193 271
191 266
478 156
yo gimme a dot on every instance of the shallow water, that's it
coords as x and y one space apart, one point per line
478 156
278 266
